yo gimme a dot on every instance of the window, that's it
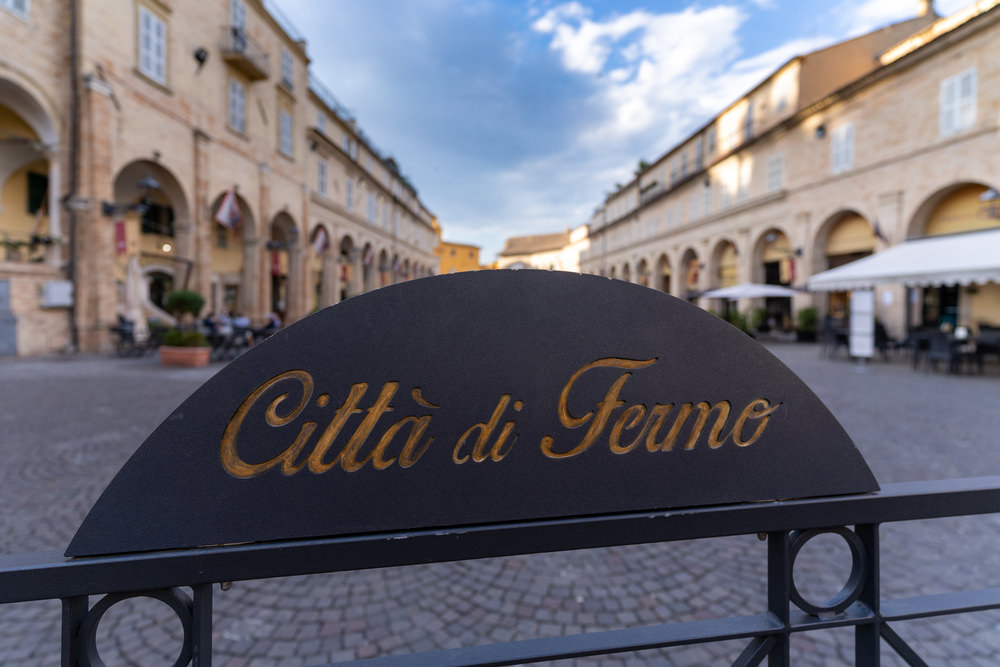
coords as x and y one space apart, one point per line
237 106
775 172
746 174
152 46
238 15
321 177
385 215
221 237
157 219
706 198
19 7
673 171
699 154
711 141
349 191
285 144
958 102
321 122
287 78
842 147
38 188
694 212
684 165
748 122
371 207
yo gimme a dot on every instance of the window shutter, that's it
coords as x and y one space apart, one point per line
966 107
946 121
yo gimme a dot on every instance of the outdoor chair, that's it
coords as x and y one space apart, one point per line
941 348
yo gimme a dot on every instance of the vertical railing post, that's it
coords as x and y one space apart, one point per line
867 642
201 626
74 610
779 581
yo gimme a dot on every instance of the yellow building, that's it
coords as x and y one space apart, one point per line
838 154
456 257
196 141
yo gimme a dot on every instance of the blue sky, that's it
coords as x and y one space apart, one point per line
514 118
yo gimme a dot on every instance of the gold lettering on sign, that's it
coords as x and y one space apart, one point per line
485 430
352 455
648 422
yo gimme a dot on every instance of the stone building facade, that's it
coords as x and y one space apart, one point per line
838 154
192 136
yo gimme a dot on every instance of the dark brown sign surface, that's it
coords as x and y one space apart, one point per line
475 398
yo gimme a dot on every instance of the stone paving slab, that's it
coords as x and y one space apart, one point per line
68 425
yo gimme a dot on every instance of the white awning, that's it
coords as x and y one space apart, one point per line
956 259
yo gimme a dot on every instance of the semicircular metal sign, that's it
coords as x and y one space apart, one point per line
475 398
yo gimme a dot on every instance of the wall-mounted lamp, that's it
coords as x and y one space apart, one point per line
313 146
991 203
200 55
820 131
798 251
147 185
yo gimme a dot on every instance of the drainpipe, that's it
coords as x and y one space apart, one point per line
74 166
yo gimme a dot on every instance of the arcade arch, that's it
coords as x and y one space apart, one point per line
29 177
663 273
286 259
691 267
954 209
844 237
232 271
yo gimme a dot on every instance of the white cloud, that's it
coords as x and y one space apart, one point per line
862 16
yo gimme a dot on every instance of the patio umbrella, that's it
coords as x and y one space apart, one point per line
135 294
749 291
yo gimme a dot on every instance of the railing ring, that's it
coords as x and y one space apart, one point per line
855 583
175 598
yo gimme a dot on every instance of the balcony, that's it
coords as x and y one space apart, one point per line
243 54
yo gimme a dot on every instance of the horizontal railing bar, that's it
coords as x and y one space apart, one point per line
941 604
857 614
47 575
581 645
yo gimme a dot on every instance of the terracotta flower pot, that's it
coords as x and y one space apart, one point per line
184 356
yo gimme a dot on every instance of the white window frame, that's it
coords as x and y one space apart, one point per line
957 107
775 172
237 105
842 148
321 176
152 45
287 69
745 178
285 132
349 193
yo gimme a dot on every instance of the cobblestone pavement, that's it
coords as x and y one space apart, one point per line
67 425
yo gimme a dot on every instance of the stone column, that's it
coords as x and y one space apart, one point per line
95 291
53 253
201 236
258 286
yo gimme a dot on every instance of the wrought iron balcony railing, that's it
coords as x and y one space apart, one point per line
243 53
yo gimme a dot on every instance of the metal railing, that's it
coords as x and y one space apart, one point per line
787 525
241 51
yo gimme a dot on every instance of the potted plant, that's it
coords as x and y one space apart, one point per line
805 321
184 348
184 304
